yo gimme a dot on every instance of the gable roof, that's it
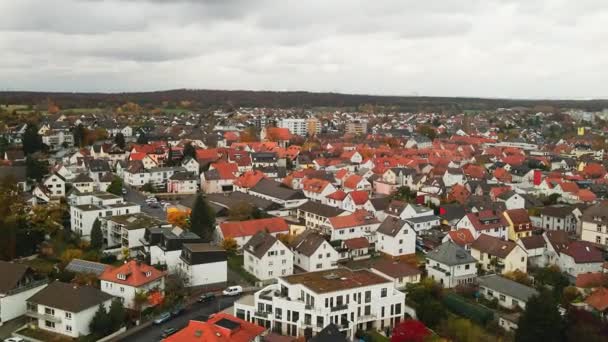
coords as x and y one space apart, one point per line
359 197
69 297
221 327
236 229
135 274
395 269
352 181
307 242
12 274
583 252
461 236
358 218
598 299
391 226
320 209
493 246
356 243
507 286
486 219
260 243
533 242
450 254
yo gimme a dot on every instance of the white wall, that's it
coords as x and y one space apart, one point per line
13 306
204 274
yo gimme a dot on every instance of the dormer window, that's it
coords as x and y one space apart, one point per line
121 276
148 274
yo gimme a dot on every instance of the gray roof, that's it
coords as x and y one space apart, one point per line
507 286
450 254
17 172
391 226
259 244
422 219
320 209
85 266
69 297
277 190
308 242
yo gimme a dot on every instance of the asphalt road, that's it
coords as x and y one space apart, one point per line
139 198
153 333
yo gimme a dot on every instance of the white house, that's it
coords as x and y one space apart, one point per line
486 222
352 300
131 278
400 273
55 185
500 256
594 224
164 246
312 252
204 264
453 176
127 231
509 294
19 283
86 208
395 237
267 257
66 309
451 265
242 231
358 224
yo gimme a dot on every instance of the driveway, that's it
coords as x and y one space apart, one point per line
195 311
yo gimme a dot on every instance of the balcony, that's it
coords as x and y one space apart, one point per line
437 268
46 317
339 307
262 314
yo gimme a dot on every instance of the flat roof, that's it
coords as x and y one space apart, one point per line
336 279
137 221
88 207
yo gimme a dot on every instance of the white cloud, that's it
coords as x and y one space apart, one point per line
509 48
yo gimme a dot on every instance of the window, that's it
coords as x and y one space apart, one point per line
502 298
320 256
352 230
467 266
278 313
269 273
122 289
368 296
383 292
400 241
68 315
319 266
368 310
49 324
283 252
49 311
515 302
490 292
327 255
68 328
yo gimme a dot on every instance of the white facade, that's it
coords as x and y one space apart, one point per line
14 304
324 258
205 274
295 126
276 262
127 293
517 259
451 275
402 243
289 308
85 209
72 324
55 185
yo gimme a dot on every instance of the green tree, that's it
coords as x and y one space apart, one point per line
32 141
541 321
241 211
142 139
115 187
96 235
117 315
202 219
119 140
170 157
427 131
189 151
35 168
101 325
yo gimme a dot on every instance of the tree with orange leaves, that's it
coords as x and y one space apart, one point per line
178 218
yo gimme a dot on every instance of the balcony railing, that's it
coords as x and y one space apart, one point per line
28 286
339 307
46 317
262 314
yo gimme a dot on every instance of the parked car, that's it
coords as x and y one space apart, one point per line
233 291
168 332
177 311
154 205
14 339
206 297
162 318
124 191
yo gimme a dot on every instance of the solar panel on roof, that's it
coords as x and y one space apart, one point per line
228 324
84 266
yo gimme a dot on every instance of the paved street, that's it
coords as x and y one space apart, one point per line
139 198
153 333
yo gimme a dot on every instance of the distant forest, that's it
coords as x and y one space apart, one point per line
209 99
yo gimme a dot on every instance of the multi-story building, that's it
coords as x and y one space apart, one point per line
267 257
594 226
295 126
486 222
451 265
395 237
559 217
356 127
131 278
497 255
312 252
66 309
86 208
19 283
204 264
164 246
352 300
127 231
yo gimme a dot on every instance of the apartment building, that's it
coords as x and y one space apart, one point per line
352 300
127 231
594 226
266 257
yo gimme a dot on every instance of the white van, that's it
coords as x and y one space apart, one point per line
233 291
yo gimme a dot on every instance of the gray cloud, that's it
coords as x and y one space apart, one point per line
511 48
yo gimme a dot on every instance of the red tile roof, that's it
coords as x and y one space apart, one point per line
251 227
358 218
486 219
314 185
210 154
586 195
356 243
136 274
352 181
337 196
226 170
591 280
598 299
461 236
583 252
277 133
221 327
520 218
359 196
502 175
249 179
137 156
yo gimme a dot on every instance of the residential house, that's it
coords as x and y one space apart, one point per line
497 255
242 231
182 183
487 222
594 224
317 189
164 246
356 182
132 278
128 231
519 222
312 252
19 282
55 185
204 264
219 327
66 309
395 237
559 217
83 183
354 300
355 200
580 257
453 176
358 224
219 178
400 273
86 208
461 237
508 293
316 215
267 257
451 265
536 248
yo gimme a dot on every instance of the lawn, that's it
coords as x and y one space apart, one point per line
42 335
235 263
377 337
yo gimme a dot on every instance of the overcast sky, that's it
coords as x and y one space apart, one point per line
487 48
